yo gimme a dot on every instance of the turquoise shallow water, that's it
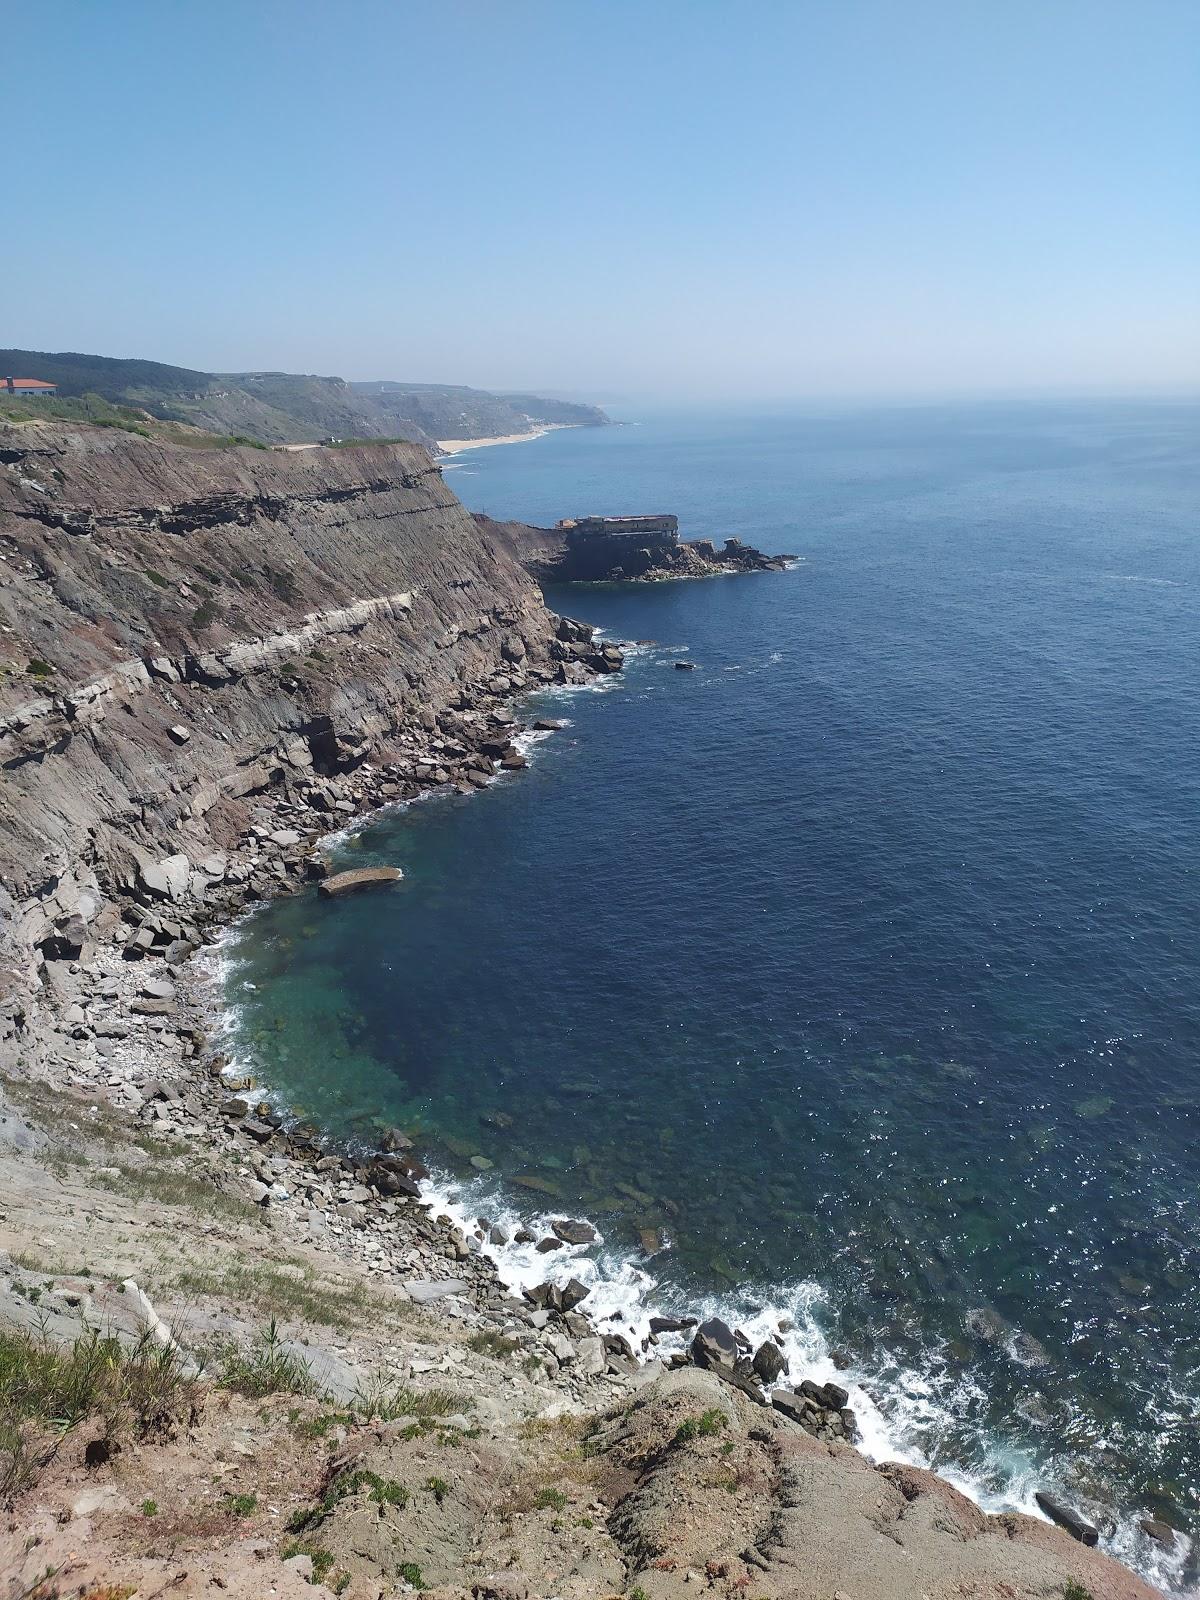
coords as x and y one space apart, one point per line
863 960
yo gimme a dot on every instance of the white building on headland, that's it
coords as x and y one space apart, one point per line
27 388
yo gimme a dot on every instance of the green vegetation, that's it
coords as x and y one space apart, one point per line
321 1562
438 1488
549 1500
90 408
46 1389
149 1508
350 444
39 669
169 1187
411 1573
205 614
157 578
267 1367
384 1491
378 1400
1075 1591
701 1427
261 408
240 1505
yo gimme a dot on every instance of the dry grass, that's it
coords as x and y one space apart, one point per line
289 1290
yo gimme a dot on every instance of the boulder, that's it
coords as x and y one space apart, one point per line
545 1296
572 1294
714 1345
1073 1521
769 1362
591 1357
1161 1532
176 871
574 1232
68 940
793 1406
424 1291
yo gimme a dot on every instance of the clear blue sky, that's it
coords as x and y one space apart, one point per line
615 198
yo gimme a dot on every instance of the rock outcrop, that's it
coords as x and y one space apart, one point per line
187 630
579 553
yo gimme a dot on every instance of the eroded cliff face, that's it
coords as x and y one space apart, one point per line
184 630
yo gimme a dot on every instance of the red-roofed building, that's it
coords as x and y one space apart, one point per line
27 386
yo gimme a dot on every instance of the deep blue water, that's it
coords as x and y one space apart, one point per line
864 959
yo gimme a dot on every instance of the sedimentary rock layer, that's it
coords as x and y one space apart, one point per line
183 629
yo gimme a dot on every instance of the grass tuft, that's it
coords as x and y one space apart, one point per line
701 1427
266 1367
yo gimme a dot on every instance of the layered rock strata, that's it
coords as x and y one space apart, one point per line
186 631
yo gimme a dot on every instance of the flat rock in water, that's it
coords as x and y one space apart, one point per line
671 1324
574 1232
357 878
1076 1525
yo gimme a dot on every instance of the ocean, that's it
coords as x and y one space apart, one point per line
859 967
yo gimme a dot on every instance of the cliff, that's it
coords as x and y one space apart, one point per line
210 657
184 630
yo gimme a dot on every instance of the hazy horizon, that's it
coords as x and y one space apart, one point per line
644 204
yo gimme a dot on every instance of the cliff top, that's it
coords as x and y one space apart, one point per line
290 408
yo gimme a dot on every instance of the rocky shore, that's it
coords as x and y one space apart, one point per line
358 1404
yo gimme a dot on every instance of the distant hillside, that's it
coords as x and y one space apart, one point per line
456 412
295 408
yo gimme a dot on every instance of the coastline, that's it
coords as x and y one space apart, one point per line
456 447
425 1245
121 1051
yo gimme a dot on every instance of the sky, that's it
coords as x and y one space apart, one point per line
613 199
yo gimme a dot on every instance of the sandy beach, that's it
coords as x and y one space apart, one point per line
453 447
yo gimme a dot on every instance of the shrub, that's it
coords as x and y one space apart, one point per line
265 1368
149 1508
1075 1591
549 1500
384 1491
38 668
205 614
320 1558
240 1505
411 1573
46 1386
438 1488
